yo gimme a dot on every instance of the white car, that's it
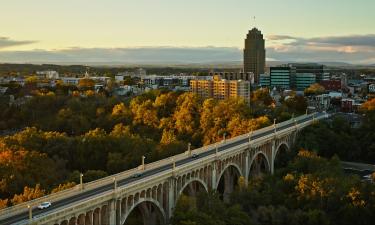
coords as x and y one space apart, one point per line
44 205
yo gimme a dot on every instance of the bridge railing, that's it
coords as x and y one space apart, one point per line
268 128
23 207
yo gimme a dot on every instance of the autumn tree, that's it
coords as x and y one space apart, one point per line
28 194
86 84
315 89
63 187
3 203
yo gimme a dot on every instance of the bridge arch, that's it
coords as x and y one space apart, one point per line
281 157
227 180
151 220
238 170
192 180
281 146
256 163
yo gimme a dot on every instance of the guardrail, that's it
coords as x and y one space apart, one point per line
13 210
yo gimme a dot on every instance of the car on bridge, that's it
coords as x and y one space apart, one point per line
195 155
136 175
44 205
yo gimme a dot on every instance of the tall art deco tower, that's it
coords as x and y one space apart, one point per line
254 54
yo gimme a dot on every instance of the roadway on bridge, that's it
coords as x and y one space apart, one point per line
88 194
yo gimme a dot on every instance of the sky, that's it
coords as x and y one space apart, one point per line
185 31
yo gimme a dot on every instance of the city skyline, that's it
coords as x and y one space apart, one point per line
112 30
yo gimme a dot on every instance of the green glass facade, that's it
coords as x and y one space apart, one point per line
304 80
280 77
264 80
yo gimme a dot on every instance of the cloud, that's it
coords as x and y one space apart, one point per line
356 49
127 55
352 48
280 37
350 40
6 42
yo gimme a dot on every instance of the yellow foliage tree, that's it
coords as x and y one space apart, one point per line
86 83
31 79
3 203
76 94
90 93
28 194
119 109
307 154
288 177
186 115
354 197
144 113
168 137
315 89
62 187
369 105
121 130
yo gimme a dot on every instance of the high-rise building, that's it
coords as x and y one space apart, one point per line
221 89
302 81
203 88
281 77
234 75
320 71
264 80
254 54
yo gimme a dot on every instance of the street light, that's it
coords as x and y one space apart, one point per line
115 183
30 213
189 149
173 164
274 125
224 136
216 149
250 134
143 162
81 180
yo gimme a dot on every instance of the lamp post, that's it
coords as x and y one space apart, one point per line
143 162
274 125
216 149
30 213
224 137
250 134
173 163
189 149
81 180
115 183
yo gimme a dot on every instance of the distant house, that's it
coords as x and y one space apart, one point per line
3 90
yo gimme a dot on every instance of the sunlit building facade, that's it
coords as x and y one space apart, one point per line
221 89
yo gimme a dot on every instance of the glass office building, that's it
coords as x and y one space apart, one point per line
264 80
303 80
280 77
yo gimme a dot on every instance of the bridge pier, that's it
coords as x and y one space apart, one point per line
228 186
213 176
273 152
89 220
247 168
112 212
171 197
149 215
